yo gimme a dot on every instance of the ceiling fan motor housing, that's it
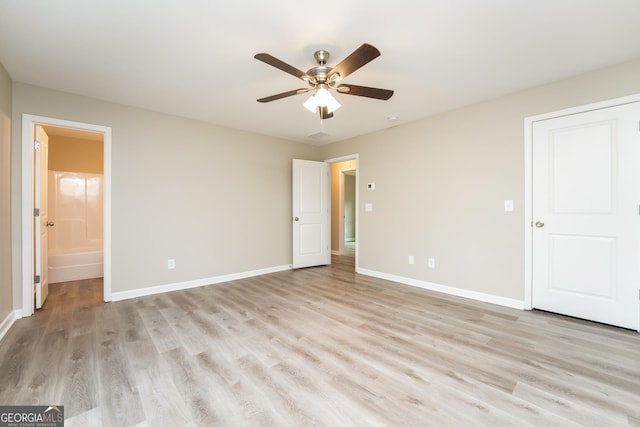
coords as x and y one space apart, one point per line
320 74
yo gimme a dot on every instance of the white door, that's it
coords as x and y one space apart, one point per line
41 222
310 216
586 215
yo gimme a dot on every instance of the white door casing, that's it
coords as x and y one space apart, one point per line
27 266
585 215
310 214
41 221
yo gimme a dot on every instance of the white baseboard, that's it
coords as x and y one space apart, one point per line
152 290
75 272
449 290
7 323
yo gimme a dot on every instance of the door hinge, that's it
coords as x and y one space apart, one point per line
36 144
36 279
36 211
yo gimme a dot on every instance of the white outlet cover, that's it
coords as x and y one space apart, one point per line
368 207
412 260
432 263
508 205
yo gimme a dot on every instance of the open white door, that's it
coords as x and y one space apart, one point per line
310 214
586 218
41 222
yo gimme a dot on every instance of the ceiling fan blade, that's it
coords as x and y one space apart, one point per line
369 92
361 56
324 113
275 62
284 95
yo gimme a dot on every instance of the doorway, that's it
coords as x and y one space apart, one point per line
99 235
75 199
344 202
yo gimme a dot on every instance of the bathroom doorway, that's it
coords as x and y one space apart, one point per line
344 212
75 204
73 192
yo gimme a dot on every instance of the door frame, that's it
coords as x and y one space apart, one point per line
355 157
29 122
528 179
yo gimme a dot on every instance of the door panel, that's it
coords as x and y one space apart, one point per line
41 226
310 214
586 231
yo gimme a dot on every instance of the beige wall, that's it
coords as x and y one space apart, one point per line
75 155
440 186
5 194
441 183
172 196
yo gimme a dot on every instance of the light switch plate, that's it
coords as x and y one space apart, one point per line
508 205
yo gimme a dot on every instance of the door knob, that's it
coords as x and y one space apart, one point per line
539 224
50 224
296 219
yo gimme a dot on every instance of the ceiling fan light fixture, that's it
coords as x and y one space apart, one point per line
311 104
322 98
332 105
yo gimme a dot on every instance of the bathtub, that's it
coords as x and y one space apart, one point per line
65 266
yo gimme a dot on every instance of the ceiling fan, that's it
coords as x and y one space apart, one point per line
322 78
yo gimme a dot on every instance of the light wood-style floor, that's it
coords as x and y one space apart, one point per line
318 346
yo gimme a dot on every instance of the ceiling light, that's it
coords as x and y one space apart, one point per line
311 104
322 98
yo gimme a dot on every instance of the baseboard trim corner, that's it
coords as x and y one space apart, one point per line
449 290
7 323
170 287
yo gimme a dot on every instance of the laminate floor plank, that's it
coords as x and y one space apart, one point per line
162 403
81 389
319 346
580 412
119 396
206 408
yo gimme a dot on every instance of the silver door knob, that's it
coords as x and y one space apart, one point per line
296 219
50 224
539 224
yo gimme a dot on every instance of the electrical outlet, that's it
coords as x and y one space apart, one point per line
412 260
171 264
508 205
431 262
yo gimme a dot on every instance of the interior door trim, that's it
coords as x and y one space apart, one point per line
528 179
28 135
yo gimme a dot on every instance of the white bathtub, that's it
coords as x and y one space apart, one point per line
65 266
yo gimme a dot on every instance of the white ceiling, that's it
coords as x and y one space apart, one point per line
194 58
